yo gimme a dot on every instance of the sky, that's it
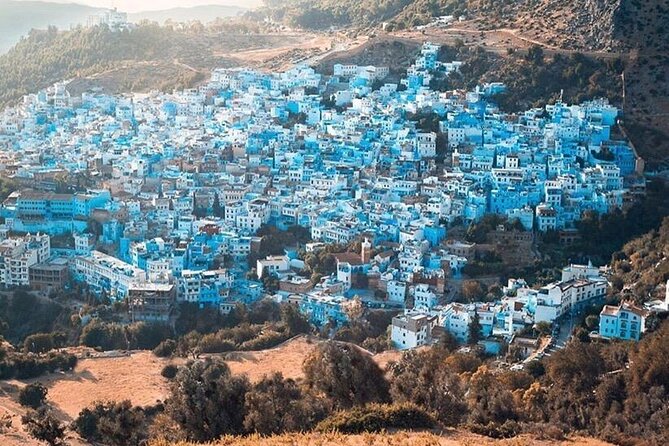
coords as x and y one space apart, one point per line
151 5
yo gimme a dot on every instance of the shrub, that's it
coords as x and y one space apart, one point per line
107 336
345 374
147 336
266 340
44 426
33 395
508 429
376 418
112 423
166 348
29 365
169 371
214 343
43 342
206 401
275 405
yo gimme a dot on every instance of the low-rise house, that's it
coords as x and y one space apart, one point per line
412 330
625 321
272 265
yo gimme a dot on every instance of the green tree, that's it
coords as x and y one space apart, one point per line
206 401
543 328
648 362
43 342
275 405
294 321
472 290
42 425
112 423
488 401
420 377
535 54
345 375
33 395
474 330
592 322
217 209
108 336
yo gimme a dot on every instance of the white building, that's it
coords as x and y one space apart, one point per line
455 319
396 291
272 265
426 144
17 255
412 330
424 296
104 272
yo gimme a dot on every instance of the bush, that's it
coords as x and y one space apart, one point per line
166 348
107 336
376 418
147 336
33 395
169 371
44 426
112 423
508 429
266 340
275 405
214 343
43 342
207 401
345 374
25 366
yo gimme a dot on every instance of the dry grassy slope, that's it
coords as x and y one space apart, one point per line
451 438
137 377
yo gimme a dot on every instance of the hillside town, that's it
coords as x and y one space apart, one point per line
161 198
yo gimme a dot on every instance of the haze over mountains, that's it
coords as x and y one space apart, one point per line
18 17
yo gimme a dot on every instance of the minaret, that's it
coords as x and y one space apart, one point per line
366 251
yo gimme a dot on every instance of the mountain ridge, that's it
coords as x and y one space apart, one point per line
18 18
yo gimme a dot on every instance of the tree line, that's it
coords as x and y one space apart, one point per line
614 391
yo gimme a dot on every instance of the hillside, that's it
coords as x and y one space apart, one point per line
204 14
615 25
17 18
137 377
580 24
133 60
643 265
577 76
